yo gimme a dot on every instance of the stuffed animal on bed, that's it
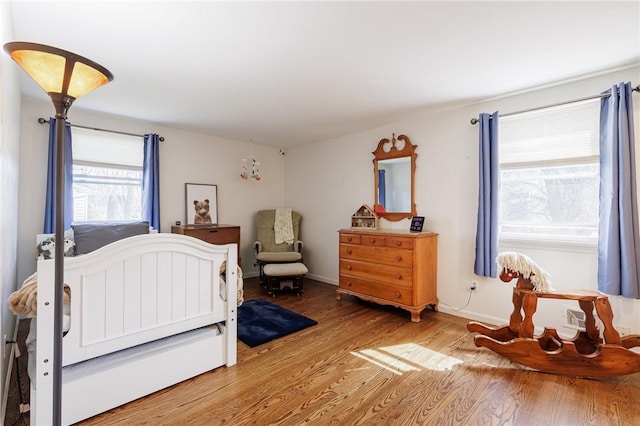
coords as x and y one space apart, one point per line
46 248
25 300
223 269
202 215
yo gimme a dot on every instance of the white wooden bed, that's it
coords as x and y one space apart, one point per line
146 312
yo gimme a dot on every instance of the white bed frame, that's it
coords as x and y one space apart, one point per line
147 312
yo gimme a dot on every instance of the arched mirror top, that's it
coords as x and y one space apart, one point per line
394 167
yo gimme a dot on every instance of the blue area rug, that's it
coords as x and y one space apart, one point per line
260 322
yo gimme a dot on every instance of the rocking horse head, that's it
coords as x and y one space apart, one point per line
530 276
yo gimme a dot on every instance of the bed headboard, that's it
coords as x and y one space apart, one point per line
137 290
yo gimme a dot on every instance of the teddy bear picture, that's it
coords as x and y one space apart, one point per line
202 215
201 204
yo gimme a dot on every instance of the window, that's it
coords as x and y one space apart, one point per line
549 172
107 176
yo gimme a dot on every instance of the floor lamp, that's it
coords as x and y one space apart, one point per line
64 76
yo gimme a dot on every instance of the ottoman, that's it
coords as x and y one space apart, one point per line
276 273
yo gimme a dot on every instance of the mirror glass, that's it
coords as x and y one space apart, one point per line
394 171
394 184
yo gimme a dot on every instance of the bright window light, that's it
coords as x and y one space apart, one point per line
407 357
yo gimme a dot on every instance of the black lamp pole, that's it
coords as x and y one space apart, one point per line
62 105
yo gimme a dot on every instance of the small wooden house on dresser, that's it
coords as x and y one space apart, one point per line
364 217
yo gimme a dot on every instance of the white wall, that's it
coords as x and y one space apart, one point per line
9 165
327 181
184 157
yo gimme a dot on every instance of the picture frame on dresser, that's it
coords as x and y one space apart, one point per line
201 204
416 224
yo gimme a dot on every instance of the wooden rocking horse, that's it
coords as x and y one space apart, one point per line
588 354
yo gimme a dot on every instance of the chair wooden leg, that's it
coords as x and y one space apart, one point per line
271 282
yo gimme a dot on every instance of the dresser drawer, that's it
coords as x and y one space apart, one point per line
350 239
378 255
380 290
364 239
389 274
399 242
216 236
212 234
373 240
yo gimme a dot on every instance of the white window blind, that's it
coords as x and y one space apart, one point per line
91 146
561 134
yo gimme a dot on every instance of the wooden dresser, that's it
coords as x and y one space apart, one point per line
212 234
390 267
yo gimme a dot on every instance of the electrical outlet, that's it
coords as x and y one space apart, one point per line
623 330
474 285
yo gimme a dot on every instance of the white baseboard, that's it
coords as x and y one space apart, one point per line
471 315
250 274
322 279
311 276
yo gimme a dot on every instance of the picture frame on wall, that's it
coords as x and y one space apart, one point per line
201 204
416 224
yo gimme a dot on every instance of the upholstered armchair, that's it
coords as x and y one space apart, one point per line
269 248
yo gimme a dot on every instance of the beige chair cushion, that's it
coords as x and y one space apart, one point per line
279 256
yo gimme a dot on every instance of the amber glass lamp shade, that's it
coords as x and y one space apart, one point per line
57 71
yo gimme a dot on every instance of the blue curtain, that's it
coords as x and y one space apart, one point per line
619 237
382 189
151 181
50 201
487 228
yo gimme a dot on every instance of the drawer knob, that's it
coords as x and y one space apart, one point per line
349 239
349 267
398 295
399 258
348 251
348 283
398 243
398 276
372 240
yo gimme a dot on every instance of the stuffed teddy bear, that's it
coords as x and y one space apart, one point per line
223 269
25 300
202 215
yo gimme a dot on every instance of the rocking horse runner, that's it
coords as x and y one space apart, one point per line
588 354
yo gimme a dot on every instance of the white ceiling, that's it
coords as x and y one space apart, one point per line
287 73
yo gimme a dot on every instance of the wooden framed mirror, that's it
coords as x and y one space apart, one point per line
394 169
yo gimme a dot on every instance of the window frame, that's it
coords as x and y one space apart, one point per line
548 240
128 153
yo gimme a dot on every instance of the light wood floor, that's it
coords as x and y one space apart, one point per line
368 364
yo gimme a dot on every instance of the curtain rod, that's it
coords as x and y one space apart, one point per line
44 121
602 95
